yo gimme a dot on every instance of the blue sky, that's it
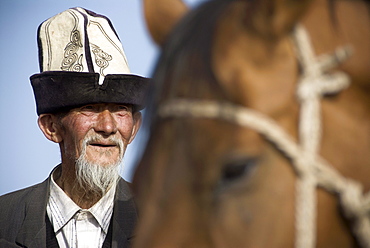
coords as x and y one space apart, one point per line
26 156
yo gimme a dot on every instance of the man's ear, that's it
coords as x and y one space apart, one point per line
50 127
137 124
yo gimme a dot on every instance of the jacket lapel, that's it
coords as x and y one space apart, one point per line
33 232
124 216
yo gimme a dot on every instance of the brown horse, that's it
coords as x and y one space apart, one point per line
259 122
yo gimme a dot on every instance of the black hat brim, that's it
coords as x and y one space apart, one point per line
57 91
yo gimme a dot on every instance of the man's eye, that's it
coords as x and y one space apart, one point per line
122 107
87 108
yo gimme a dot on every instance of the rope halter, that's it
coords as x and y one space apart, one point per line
312 170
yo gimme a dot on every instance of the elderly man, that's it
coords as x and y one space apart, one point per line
88 102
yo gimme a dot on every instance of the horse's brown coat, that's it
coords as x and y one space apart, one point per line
182 198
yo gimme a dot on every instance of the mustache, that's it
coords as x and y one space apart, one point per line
95 139
99 139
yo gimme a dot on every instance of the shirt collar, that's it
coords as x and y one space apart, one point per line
61 208
103 209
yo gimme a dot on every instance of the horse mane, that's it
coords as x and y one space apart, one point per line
184 66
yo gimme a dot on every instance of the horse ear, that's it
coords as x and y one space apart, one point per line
274 18
161 16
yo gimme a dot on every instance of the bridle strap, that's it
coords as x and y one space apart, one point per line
314 82
312 170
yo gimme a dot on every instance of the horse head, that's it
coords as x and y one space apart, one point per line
259 125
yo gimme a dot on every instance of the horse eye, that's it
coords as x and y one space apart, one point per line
236 169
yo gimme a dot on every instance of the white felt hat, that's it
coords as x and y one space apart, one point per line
80 53
81 41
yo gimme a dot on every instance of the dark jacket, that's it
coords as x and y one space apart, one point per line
23 212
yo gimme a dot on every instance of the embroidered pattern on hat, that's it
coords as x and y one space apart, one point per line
101 58
70 51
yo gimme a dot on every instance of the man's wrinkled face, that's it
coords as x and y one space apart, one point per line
99 132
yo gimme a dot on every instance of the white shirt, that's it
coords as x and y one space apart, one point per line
75 227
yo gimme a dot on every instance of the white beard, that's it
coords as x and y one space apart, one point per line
95 178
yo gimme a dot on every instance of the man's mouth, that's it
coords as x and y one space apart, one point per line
102 145
99 144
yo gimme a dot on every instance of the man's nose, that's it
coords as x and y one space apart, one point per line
106 124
